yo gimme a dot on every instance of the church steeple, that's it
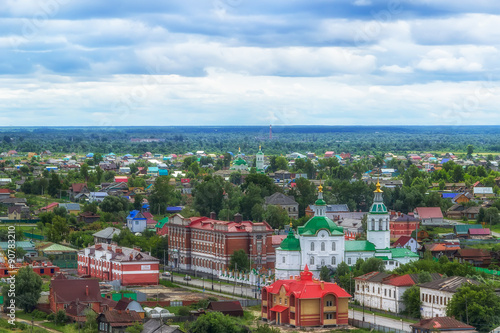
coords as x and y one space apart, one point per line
378 230
320 204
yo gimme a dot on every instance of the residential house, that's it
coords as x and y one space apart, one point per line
462 230
111 262
420 235
5 181
456 211
27 246
407 242
71 208
88 217
441 324
137 221
105 236
153 171
97 196
471 213
124 170
384 291
330 209
303 301
435 295
483 192
49 207
129 304
121 179
402 224
429 215
230 308
5 193
462 198
116 321
475 257
286 202
483 233
78 191
154 325
18 212
13 201
442 249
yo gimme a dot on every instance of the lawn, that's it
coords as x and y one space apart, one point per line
67 328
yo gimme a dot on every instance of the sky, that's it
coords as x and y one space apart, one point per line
241 62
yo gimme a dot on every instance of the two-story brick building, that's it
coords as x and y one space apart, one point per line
205 244
111 262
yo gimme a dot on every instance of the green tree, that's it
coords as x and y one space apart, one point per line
208 195
239 261
412 302
114 204
136 328
324 274
59 230
84 171
60 317
491 215
470 150
163 194
90 322
477 305
90 207
276 216
481 215
424 277
28 288
372 265
265 183
305 194
54 185
215 322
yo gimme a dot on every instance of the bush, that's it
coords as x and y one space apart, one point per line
183 311
39 314
51 317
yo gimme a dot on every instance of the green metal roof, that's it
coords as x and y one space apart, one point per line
240 161
320 202
359 245
378 208
290 243
162 222
59 248
21 244
320 222
402 253
463 229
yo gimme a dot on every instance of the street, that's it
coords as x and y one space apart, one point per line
379 320
217 287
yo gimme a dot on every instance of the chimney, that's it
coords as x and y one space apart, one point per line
87 290
118 250
213 216
127 311
238 218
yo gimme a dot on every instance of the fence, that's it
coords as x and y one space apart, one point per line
250 302
33 236
367 308
375 327
34 221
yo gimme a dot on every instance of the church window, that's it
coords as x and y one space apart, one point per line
348 261
380 225
334 261
283 259
322 262
322 246
334 246
311 260
312 246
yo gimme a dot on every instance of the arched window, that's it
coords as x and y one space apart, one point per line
322 246
334 261
334 246
283 259
312 246
380 225
311 260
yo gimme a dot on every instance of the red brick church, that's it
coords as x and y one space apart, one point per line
304 301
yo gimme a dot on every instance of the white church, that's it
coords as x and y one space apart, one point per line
321 242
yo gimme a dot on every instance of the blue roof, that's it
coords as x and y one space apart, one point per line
163 172
149 186
448 195
128 155
90 155
174 209
444 160
145 206
153 169
230 153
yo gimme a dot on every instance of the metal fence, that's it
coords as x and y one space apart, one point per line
250 302
375 327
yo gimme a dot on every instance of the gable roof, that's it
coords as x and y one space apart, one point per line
450 284
402 241
225 306
279 199
121 318
463 229
484 231
359 245
107 233
78 187
429 212
70 206
442 323
67 291
155 325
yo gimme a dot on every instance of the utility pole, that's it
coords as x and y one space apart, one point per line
164 260
467 309
235 270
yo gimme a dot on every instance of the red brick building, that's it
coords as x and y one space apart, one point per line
111 262
205 244
402 224
305 301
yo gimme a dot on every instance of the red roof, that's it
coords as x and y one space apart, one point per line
67 291
279 308
401 281
402 241
4 190
306 286
442 323
429 212
185 180
147 215
277 239
78 187
205 223
52 205
485 231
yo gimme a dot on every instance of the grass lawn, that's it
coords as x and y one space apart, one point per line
387 315
26 316
67 328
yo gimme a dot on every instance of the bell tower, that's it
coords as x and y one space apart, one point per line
377 223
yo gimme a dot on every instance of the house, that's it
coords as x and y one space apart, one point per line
5 193
462 230
50 207
111 262
286 202
129 304
330 209
162 227
124 170
402 224
121 179
420 235
115 321
385 291
105 236
456 211
429 215
435 295
65 291
18 212
303 301
484 233
97 196
13 201
440 324
230 308
154 325
442 249
471 213
71 208
27 246
483 192
475 257
153 171
78 190
407 242
60 255
88 217
136 221
462 198
329 154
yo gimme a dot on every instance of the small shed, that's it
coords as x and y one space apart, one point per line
231 308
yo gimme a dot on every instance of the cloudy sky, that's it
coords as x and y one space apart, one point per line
241 62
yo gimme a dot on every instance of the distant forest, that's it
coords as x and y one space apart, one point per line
286 139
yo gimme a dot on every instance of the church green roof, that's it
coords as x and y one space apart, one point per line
320 202
359 245
320 222
290 243
378 208
240 161
162 222
402 253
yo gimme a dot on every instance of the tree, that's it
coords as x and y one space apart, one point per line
113 204
215 322
481 215
59 230
491 215
304 194
470 150
239 261
372 265
28 286
54 184
266 329
136 328
477 305
60 317
91 322
162 194
324 274
208 195
424 277
90 207
411 299
276 216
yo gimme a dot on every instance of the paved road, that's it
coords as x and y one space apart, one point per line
379 320
218 287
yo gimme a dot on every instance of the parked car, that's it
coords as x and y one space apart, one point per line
165 275
187 278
